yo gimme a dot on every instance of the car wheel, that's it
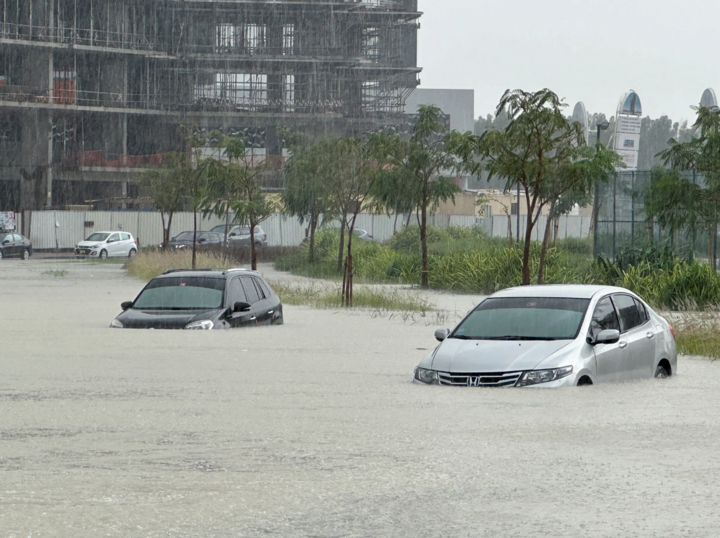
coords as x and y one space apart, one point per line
103 255
1 254
26 255
661 372
584 381
132 253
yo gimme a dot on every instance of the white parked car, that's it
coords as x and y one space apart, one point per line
553 336
107 245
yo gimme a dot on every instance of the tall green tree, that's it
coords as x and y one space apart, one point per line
308 180
164 185
539 151
413 178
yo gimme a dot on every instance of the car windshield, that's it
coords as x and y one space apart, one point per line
97 237
4 236
186 236
181 293
524 318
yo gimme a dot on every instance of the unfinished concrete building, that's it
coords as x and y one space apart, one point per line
91 91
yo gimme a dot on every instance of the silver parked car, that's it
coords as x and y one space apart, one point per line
553 336
240 235
107 245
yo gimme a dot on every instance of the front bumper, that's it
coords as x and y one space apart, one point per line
87 253
493 380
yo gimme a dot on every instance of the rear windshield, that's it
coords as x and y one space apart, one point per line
182 293
524 318
97 237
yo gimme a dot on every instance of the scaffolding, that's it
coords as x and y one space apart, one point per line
89 86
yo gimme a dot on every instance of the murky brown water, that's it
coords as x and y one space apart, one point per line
314 429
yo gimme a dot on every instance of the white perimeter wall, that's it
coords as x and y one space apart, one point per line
63 229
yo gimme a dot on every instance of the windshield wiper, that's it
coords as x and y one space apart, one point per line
462 337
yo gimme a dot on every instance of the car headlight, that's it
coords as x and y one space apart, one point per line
116 324
201 325
426 376
534 377
94 246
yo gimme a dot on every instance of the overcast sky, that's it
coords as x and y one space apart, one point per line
590 51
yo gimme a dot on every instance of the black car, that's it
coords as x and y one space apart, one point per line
15 245
202 299
204 240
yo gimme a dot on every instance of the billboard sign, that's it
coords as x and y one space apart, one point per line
628 124
7 221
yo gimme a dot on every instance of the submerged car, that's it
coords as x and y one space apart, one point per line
12 244
107 245
202 300
553 336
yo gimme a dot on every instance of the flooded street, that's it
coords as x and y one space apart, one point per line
315 429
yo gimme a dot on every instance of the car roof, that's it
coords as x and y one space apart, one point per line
565 291
110 232
208 273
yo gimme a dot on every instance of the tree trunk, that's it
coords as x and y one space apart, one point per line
342 242
557 231
510 232
424 274
710 247
313 226
194 238
347 289
526 250
253 249
226 247
165 232
166 239
543 249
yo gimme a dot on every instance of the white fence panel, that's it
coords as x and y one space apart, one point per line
42 229
69 229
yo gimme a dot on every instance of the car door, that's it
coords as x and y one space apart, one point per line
113 246
265 307
236 294
610 359
253 297
125 243
19 244
637 332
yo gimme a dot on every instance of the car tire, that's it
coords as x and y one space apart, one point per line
1 254
103 255
26 255
661 372
132 253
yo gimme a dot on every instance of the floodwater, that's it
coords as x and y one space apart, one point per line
315 429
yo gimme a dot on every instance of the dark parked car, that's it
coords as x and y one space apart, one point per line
204 240
202 300
240 235
15 245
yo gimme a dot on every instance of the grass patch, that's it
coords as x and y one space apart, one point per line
327 296
148 265
697 333
55 272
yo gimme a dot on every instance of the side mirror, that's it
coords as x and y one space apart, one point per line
201 240
241 306
126 305
6 242
441 334
232 234
609 336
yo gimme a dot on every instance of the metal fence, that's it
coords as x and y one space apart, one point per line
58 230
623 223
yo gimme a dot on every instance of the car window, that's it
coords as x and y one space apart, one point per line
125 237
643 312
4 237
266 291
236 293
604 318
250 291
629 313
260 291
114 237
181 293
17 237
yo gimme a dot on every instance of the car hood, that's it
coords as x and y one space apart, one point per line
164 319
455 355
87 244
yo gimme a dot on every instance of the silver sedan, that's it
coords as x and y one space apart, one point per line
553 336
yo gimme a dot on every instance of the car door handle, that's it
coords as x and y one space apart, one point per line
650 334
622 345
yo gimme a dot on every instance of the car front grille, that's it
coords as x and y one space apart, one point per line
480 379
